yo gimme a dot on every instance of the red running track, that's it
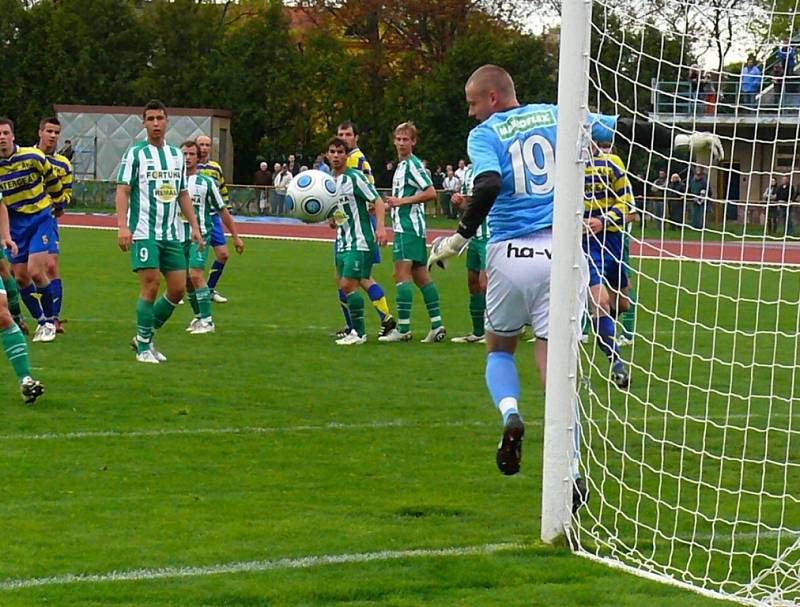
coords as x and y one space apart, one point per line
736 251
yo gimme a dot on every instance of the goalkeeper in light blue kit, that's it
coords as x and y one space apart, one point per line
513 156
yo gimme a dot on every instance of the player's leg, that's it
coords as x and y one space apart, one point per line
41 235
16 350
172 263
405 293
476 286
355 266
23 229
202 294
377 296
338 263
54 275
430 294
221 256
12 292
506 317
629 314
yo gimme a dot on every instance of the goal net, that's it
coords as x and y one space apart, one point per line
694 470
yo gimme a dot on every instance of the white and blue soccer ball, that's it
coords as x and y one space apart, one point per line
311 196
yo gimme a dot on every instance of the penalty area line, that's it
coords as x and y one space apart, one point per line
136 575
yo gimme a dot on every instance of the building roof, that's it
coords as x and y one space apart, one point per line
132 109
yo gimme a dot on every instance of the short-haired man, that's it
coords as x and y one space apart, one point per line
30 187
212 168
49 132
348 132
151 185
356 241
411 189
208 203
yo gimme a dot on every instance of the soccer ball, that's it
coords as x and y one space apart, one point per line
311 196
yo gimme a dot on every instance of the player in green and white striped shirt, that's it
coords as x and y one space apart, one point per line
476 267
356 242
411 189
208 203
151 185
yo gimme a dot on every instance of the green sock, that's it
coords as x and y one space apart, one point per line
162 310
629 316
16 349
405 295
193 301
144 324
431 296
477 306
12 292
355 303
203 295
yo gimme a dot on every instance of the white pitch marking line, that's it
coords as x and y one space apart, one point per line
136 575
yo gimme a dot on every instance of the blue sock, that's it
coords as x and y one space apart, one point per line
376 293
57 291
604 329
46 299
31 301
503 382
345 309
215 274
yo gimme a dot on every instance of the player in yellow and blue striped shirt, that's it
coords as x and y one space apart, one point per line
13 341
29 186
209 167
49 132
608 198
348 132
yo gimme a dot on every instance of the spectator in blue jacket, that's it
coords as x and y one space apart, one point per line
750 82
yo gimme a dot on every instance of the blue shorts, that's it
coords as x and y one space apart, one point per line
604 254
217 233
55 244
33 233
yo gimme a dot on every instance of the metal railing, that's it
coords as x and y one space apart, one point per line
726 97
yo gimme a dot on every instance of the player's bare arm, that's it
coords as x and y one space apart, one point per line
425 195
5 231
121 200
380 221
227 220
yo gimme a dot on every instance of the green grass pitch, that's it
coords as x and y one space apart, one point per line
265 442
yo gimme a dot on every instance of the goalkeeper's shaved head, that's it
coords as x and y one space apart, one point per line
490 89
492 78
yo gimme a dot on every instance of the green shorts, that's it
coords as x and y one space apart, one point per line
354 264
409 247
163 255
476 255
195 258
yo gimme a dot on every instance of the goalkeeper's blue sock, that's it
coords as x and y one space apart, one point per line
604 329
503 382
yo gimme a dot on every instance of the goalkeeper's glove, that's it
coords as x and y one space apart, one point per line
444 247
705 147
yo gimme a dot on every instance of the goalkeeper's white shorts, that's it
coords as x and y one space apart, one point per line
518 284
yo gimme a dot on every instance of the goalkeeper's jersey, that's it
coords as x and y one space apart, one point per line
206 200
214 170
63 169
519 145
156 176
409 178
354 194
607 191
28 182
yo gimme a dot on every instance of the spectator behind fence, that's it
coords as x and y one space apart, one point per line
292 166
280 179
750 83
698 187
450 185
461 170
262 179
676 200
67 151
695 85
658 191
321 165
769 216
785 195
